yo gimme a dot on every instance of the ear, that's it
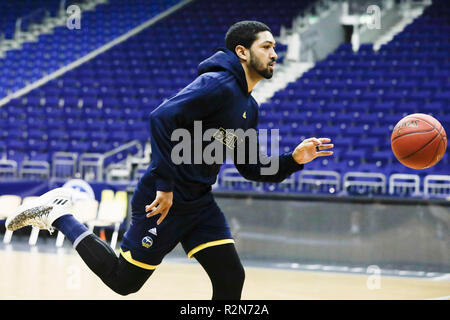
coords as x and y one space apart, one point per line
242 52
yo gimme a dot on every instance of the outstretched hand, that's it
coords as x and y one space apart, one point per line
161 205
311 148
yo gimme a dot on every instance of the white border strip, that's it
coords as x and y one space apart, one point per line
440 298
93 54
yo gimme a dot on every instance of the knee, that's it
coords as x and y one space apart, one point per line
127 278
125 290
125 284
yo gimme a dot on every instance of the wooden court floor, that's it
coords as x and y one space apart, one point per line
28 275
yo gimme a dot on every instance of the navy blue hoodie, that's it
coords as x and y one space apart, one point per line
219 98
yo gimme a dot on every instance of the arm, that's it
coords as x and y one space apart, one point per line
276 169
282 167
180 111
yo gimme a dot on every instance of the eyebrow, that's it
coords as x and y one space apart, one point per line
271 42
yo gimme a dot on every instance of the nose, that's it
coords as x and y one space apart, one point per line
273 55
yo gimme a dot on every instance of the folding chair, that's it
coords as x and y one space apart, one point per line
8 204
107 194
110 213
123 197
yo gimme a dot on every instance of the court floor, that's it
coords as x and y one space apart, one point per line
38 275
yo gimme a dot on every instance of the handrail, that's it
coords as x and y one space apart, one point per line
438 177
64 158
29 167
12 169
124 147
414 184
361 183
98 159
323 173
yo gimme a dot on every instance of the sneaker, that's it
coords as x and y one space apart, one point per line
43 211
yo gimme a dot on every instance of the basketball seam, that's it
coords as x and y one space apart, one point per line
410 155
412 117
406 134
435 152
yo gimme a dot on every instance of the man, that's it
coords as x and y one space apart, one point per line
184 210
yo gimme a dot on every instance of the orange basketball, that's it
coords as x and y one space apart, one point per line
418 141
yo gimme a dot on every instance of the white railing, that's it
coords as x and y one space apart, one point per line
365 182
64 164
8 168
231 178
319 180
91 166
437 186
34 170
404 184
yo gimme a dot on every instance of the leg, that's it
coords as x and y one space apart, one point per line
117 273
224 268
52 210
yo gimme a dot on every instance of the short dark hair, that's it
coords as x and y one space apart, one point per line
244 33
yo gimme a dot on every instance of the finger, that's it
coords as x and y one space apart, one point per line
311 142
156 211
324 140
151 206
324 153
163 216
325 146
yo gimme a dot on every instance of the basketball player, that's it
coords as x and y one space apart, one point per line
173 203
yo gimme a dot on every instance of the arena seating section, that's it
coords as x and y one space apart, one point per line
105 102
63 46
12 10
354 97
357 97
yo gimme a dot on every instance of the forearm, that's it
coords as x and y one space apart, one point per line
270 169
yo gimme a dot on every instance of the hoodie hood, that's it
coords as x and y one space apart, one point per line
225 60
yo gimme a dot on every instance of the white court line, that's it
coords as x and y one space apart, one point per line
445 277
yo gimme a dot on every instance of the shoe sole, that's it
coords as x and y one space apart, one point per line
25 218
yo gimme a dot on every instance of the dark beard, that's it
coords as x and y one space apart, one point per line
259 67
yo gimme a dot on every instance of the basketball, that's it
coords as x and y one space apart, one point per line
418 141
